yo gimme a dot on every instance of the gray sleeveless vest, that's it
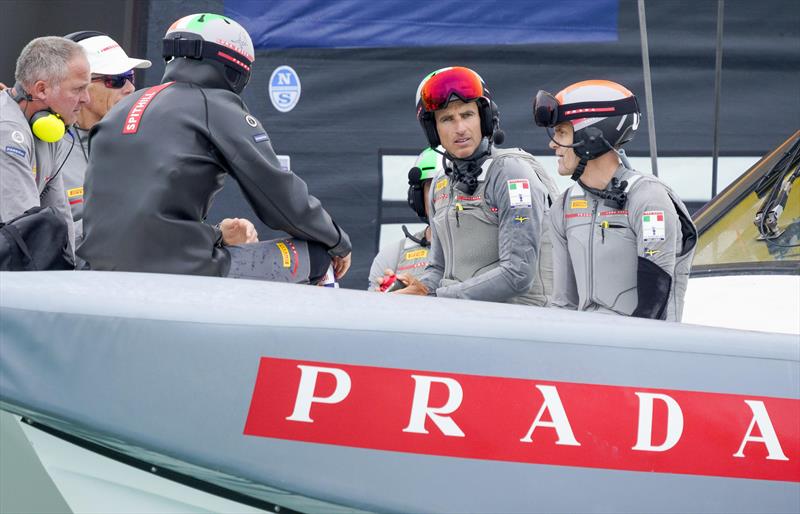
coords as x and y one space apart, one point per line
603 249
468 229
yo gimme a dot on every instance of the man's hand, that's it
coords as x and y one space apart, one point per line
341 265
238 231
413 286
3 86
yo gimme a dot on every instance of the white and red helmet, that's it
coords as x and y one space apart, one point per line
605 115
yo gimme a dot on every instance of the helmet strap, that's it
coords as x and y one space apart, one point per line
422 242
615 197
579 169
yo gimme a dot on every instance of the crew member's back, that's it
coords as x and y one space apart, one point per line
160 155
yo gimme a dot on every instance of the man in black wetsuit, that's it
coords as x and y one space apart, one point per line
161 154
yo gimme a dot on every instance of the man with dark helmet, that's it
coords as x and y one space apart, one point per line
409 255
489 239
622 241
161 154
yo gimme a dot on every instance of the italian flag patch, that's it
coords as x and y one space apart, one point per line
653 227
519 193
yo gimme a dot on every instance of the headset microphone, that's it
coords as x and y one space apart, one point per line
499 136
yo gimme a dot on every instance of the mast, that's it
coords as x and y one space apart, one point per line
648 89
717 94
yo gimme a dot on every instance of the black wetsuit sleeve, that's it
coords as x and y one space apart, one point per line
279 198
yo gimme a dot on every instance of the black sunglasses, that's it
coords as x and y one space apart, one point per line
115 81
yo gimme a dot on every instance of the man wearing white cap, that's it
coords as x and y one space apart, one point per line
112 80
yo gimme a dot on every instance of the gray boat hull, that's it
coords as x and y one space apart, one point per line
174 370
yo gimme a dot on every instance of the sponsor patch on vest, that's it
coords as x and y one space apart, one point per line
416 254
412 266
75 191
17 137
19 152
440 184
579 204
468 198
442 196
653 227
260 138
134 116
613 213
578 215
287 260
521 219
519 193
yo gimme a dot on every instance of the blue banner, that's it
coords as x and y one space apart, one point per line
410 23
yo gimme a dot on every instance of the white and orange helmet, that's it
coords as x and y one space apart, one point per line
604 114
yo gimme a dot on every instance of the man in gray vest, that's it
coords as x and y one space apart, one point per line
52 80
488 207
622 241
409 255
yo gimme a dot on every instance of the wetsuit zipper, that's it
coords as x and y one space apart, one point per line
590 263
451 252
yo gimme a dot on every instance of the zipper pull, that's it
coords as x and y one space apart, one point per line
459 207
603 227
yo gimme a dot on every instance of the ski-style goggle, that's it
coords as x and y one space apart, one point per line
459 81
115 81
547 112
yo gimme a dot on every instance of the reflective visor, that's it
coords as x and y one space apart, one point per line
461 82
545 109
547 112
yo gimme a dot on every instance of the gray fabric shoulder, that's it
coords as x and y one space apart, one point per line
648 188
514 166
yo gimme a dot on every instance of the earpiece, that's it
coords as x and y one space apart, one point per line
45 124
416 194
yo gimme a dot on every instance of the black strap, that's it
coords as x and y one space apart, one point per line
192 48
422 242
616 197
199 49
652 287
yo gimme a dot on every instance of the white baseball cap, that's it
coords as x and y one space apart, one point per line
106 57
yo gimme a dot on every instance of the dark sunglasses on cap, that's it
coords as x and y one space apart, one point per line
461 82
115 81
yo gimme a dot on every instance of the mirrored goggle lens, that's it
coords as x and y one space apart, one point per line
116 81
463 83
545 109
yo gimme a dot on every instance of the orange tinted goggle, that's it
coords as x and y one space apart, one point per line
439 89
